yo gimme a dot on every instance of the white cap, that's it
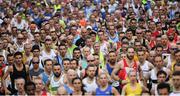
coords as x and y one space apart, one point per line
89 27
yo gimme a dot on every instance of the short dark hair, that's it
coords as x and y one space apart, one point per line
56 64
112 52
47 61
157 56
29 83
177 51
162 86
18 53
62 44
176 73
65 59
89 66
161 72
9 55
92 33
159 46
76 49
77 63
176 64
129 30
1 56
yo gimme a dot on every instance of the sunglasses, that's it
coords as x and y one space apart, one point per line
138 33
35 62
90 60
20 38
174 49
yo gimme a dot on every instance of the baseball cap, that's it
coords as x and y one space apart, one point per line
48 38
89 27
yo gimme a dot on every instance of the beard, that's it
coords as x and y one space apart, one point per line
171 39
112 61
57 74
141 60
130 57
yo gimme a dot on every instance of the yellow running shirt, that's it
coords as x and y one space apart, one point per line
133 92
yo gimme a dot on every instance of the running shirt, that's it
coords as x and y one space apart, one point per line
109 69
106 92
145 69
17 74
68 89
45 77
51 56
123 73
153 74
90 87
133 92
175 94
54 85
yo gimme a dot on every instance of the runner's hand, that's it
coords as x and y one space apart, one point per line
7 92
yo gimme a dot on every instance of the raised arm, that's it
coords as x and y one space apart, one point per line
10 68
115 71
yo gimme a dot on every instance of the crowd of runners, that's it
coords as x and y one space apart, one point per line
90 47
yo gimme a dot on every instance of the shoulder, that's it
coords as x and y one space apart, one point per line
125 87
27 67
120 63
150 65
10 68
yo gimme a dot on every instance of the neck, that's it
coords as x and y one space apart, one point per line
78 92
70 45
105 86
21 93
62 55
132 83
112 35
90 79
38 92
18 64
49 73
19 43
158 68
27 54
56 78
36 70
112 63
48 50
70 84
142 62
130 61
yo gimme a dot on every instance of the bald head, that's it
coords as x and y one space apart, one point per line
61 91
90 59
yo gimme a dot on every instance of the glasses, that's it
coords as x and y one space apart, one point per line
20 38
35 62
90 60
174 49
138 33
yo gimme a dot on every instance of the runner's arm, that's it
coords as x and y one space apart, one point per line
115 71
123 93
7 73
115 92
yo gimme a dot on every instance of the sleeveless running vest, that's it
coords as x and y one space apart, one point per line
106 92
17 74
123 73
109 69
133 92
